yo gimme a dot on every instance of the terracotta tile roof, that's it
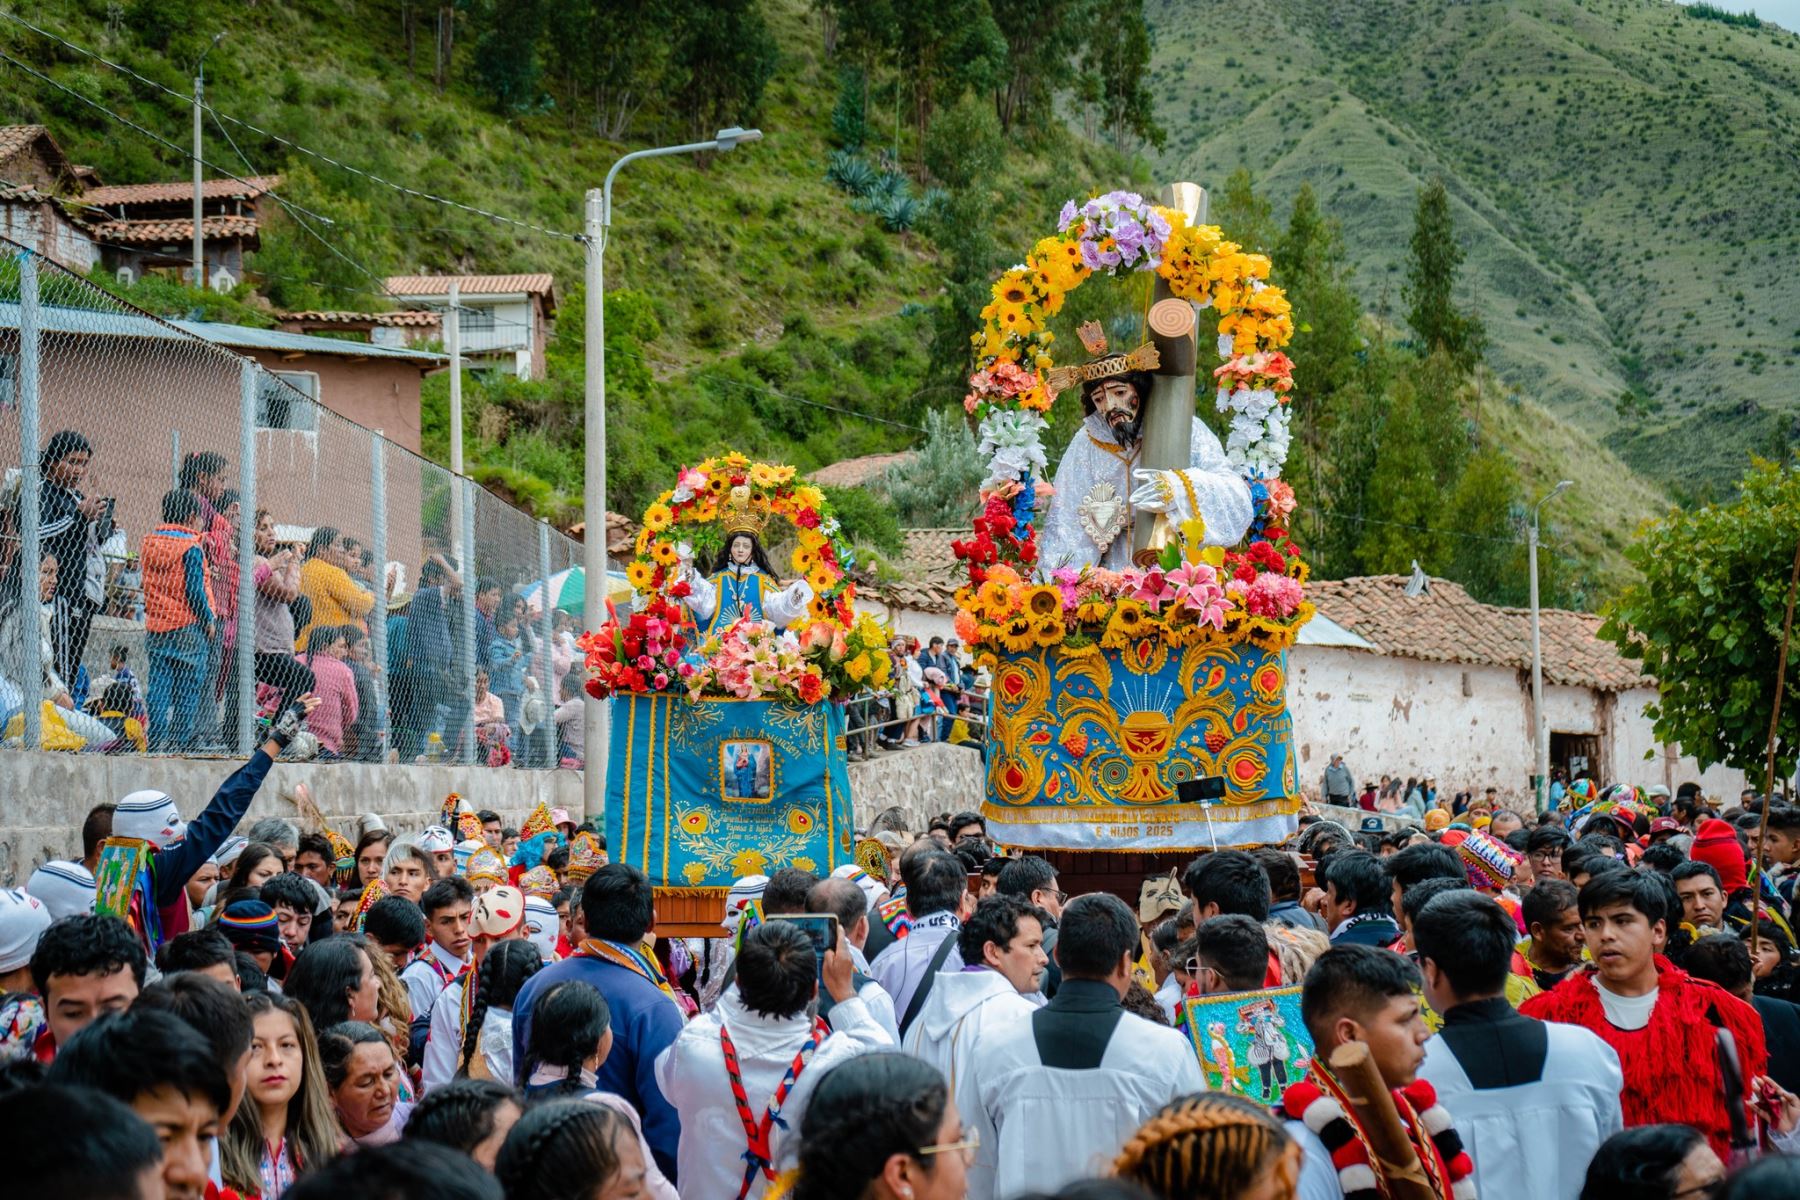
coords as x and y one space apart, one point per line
854 472
472 285
928 558
174 231
621 535
424 318
23 194
1446 624
14 138
165 193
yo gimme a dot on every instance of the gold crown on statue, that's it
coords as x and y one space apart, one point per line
1103 365
741 518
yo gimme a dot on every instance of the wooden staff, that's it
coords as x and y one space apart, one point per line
1762 828
1392 1153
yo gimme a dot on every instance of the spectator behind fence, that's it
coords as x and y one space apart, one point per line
71 526
24 620
336 600
277 579
422 658
335 686
363 736
179 620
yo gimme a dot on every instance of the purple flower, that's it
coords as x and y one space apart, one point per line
1090 255
1130 237
1067 217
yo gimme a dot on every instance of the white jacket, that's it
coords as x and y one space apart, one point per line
966 1010
691 1073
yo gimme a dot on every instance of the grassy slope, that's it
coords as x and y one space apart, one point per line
1624 175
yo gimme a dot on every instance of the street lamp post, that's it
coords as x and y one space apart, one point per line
1540 727
597 218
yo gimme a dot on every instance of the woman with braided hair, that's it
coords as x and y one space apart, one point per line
570 1150
1212 1146
487 1050
882 1126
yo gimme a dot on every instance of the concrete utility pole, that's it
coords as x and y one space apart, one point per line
199 108
597 218
453 346
1540 727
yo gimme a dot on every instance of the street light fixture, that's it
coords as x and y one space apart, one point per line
597 220
1540 727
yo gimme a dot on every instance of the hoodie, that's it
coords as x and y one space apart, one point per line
965 1009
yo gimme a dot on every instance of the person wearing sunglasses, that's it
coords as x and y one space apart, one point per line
883 1126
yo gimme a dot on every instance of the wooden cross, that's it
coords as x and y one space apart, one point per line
1168 424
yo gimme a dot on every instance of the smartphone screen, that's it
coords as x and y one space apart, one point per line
820 928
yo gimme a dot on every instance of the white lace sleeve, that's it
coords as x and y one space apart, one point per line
785 607
701 599
1223 494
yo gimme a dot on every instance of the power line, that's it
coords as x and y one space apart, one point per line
290 144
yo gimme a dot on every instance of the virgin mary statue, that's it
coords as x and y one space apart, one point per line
741 581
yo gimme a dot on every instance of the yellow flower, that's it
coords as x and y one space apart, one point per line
1018 634
1047 631
812 539
658 518
884 670
803 560
808 496
859 668
639 574
822 578
1082 649
717 483
665 554
1013 288
997 602
1093 611
1044 601
965 598
1129 621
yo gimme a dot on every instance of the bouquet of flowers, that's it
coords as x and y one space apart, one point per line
639 654
849 660
752 661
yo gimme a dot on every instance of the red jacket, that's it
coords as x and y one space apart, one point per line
1671 1065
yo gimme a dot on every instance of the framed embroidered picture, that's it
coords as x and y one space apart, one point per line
746 770
1252 1044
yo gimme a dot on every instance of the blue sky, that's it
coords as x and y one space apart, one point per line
1785 13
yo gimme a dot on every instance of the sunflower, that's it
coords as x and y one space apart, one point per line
822 578
639 574
1018 634
1047 631
820 609
1093 611
803 560
1084 648
995 601
1129 622
1044 600
965 597
763 475
658 518
717 484
665 554
1014 288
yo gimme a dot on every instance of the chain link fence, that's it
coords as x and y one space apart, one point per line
210 539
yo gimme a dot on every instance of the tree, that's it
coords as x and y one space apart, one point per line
506 52
600 67
1243 216
723 57
1431 282
945 47
1117 55
939 487
1041 36
1706 619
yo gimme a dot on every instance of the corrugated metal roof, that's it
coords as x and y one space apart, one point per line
165 193
83 321
1323 631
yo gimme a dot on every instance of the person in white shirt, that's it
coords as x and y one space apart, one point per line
1003 944
1064 1089
499 916
763 1048
844 900
1532 1100
936 884
449 904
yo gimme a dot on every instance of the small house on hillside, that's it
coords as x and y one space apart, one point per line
506 320
407 327
150 226
39 188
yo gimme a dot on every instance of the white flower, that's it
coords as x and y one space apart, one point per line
1013 444
1225 345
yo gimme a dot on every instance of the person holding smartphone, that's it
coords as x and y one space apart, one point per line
758 1056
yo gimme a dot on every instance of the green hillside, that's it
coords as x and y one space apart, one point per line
1624 176
1620 171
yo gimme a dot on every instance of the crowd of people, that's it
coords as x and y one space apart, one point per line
317 599
938 695
1594 1003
